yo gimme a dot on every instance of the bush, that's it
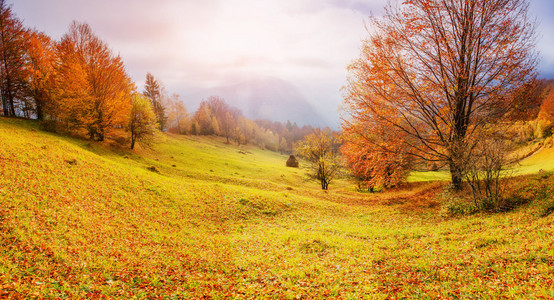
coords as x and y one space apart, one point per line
458 206
49 125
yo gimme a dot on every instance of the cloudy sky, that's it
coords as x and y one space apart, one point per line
191 45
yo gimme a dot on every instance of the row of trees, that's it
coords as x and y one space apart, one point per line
76 82
79 84
216 117
433 82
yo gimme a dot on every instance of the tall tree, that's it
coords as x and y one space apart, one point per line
93 88
12 52
40 71
440 70
154 91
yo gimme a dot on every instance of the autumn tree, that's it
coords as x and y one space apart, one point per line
441 70
177 116
225 116
245 131
93 90
154 91
547 106
227 125
12 51
142 121
320 149
375 155
203 120
40 60
528 100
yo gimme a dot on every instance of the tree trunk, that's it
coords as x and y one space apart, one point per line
39 110
40 114
4 106
133 138
456 175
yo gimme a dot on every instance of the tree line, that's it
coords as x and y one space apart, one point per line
78 84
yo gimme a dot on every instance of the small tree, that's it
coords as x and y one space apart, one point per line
374 153
142 122
485 164
320 149
178 119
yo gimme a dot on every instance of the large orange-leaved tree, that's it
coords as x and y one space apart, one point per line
438 71
12 63
40 60
93 90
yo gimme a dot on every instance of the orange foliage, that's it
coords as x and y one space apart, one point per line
93 90
373 161
547 107
437 71
12 72
40 69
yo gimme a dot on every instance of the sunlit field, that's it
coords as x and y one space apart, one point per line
194 217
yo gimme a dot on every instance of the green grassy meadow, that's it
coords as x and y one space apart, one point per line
193 217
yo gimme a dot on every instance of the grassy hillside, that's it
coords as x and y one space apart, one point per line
196 218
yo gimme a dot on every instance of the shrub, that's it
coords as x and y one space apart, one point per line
458 206
485 164
49 125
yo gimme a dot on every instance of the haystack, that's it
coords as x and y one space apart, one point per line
292 162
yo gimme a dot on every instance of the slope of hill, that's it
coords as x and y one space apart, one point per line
196 218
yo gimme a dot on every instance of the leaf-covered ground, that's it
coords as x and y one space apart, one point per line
196 218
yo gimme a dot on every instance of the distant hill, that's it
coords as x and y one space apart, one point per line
263 98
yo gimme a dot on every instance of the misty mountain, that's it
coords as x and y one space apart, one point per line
266 98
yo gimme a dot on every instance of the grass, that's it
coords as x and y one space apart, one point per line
543 160
193 217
